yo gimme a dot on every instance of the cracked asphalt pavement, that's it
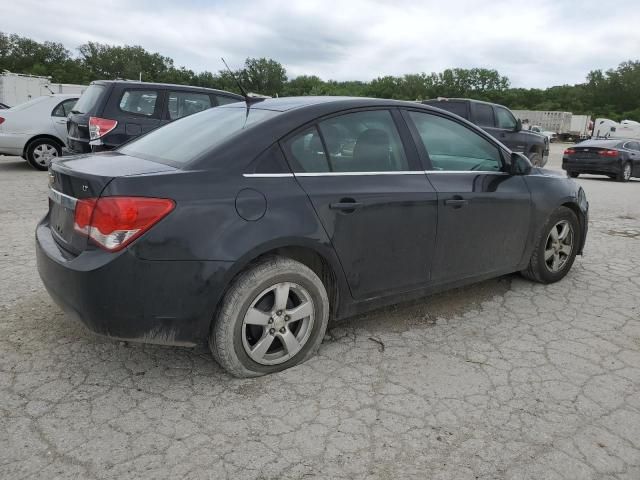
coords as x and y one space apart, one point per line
506 379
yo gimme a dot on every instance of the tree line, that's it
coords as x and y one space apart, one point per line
614 93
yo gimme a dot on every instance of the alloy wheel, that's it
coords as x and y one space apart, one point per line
626 173
278 323
559 246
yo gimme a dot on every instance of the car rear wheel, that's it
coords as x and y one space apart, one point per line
41 152
556 248
625 173
573 174
273 316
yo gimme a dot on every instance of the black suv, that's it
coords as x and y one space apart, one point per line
500 122
112 112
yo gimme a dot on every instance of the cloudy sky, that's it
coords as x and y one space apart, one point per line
537 43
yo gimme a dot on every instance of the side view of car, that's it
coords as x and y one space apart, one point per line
499 121
36 130
250 226
618 159
112 112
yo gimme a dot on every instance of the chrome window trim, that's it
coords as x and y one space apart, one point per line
347 174
266 175
350 174
63 199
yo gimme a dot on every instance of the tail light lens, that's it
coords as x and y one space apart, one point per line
115 222
1 120
608 153
569 151
99 127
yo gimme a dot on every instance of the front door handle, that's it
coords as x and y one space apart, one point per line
346 205
456 202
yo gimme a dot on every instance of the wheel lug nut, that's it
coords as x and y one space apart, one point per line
287 318
279 312
272 331
282 330
271 320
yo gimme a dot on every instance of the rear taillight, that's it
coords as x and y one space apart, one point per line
99 127
569 151
1 120
115 222
608 153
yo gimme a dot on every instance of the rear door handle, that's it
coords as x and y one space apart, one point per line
456 202
345 205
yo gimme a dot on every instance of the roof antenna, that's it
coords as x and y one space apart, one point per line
248 98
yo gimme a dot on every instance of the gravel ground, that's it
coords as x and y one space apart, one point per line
505 379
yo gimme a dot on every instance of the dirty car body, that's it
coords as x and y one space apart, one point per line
238 186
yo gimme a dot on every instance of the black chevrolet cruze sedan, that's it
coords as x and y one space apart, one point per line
251 225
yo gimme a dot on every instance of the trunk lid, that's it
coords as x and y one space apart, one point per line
75 178
589 154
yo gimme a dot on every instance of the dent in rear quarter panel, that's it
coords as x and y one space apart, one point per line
548 192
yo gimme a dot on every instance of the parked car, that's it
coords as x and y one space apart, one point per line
618 159
551 136
36 130
250 226
112 112
500 122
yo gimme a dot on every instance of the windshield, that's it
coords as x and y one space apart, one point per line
89 99
181 141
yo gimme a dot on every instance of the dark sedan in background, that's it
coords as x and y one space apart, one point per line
252 225
618 159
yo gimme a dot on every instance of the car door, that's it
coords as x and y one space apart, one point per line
59 117
370 192
139 110
504 128
483 212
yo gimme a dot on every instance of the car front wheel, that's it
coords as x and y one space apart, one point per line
273 316
556 248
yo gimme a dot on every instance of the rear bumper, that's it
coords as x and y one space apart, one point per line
122 296
77 145
591 167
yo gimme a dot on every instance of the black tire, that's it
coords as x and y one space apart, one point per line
535 158
573 174
538 270
625 173
37 155
227 336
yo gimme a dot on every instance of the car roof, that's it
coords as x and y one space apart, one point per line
166 85
457 99
285 104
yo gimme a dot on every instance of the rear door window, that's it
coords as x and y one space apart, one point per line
484 115
459 108
139 102
182 104
64 108
223 100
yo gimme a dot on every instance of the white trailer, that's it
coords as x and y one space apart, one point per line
16 88
564 124
606 128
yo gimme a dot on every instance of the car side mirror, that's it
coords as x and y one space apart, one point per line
518 125
520 164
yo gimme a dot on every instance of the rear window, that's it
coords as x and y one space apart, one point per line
183 140
88 101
